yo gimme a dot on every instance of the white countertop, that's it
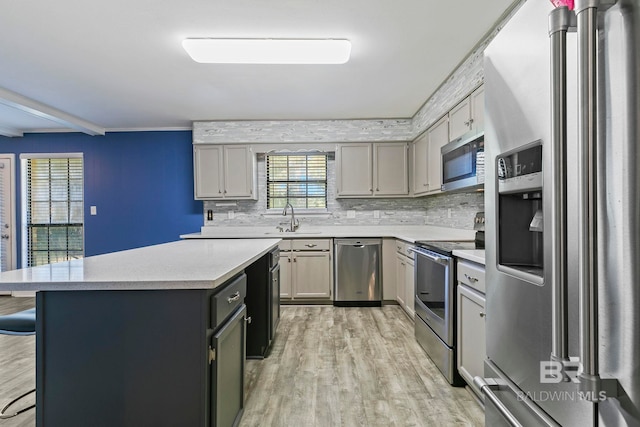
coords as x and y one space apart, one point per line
186 264
475 255
410 233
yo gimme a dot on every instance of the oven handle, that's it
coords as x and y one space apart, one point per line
430 255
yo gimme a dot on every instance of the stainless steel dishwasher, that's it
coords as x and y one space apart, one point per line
358 278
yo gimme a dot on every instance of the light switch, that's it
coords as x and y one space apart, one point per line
231 214
94 210
376 214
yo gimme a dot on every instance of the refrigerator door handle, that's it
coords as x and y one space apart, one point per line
487 387
589 77
561 20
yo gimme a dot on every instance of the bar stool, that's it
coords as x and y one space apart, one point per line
20 323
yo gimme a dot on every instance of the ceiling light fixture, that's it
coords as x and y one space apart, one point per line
268 51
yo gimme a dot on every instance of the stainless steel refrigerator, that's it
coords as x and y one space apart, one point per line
562 147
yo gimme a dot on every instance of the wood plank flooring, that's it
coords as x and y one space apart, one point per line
332 366
329 366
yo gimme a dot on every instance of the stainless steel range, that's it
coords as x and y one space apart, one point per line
435 303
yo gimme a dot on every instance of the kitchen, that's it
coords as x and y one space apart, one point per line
400 214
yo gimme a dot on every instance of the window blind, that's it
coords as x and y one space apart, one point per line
299 179
55 209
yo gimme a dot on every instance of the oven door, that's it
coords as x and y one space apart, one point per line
434 292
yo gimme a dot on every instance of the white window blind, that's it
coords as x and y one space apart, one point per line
55 209
299 179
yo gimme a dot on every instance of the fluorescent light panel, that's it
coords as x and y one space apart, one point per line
268 51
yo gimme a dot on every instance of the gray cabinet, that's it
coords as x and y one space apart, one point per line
378 169
471 322
306 270
224 172
141 358
468 115
405 279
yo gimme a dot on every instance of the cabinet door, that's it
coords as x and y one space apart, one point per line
354 170
285 274
460 119
207 166
420 154
471 333
401 273
312 275
226 356
238 171
390 169
477 109
438 136
410 290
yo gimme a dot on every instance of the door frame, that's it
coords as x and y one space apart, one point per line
11 217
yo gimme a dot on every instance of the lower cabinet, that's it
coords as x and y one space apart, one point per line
471 323
164 357
226 356
306 270
405 280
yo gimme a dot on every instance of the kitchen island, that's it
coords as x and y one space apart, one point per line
142 337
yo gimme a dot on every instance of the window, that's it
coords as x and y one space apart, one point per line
299 179
53 208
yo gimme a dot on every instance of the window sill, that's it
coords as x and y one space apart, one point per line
302 213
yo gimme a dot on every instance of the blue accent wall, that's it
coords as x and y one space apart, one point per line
140 182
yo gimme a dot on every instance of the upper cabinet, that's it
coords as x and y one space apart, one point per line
390 169
468 115
224 172
378 169
427 159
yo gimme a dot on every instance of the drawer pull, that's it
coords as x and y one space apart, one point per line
311 245
233 298
212 355
248 319
470 278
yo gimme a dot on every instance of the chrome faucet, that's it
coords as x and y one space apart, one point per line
294 222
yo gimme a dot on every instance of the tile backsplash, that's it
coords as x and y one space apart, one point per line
447 210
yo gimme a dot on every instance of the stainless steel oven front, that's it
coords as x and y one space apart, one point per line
435 310
435 292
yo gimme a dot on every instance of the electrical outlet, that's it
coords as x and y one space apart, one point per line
231 214
376 214
351 214
94 210
449 212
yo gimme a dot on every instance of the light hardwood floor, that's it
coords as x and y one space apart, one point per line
333 366
329 366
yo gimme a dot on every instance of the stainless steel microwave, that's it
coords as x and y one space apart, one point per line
463 163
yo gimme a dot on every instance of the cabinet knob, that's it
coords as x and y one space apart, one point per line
483 314
295 260
311 245
467 123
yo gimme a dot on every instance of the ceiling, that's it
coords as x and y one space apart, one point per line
119 65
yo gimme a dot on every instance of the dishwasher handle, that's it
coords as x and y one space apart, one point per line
358 243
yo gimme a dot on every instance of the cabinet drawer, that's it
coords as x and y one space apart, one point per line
285 245
311 245
404 248
471 275
225 302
